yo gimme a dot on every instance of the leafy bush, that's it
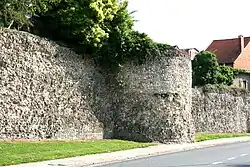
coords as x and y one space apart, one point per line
206 70
86 21
225 75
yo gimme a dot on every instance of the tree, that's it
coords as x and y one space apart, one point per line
205 68
123 42
85 21
102 27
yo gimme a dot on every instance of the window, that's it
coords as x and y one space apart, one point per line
243 84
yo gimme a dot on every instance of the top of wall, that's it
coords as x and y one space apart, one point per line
8 36
222 90
24 41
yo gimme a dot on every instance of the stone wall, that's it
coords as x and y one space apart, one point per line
155 101
48 91
223 111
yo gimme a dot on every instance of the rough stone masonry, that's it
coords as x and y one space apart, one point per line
48 91
221 111
155 102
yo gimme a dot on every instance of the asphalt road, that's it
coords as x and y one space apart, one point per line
233 155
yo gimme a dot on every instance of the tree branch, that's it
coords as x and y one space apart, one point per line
11 24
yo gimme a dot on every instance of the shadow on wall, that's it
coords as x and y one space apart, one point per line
94 118
137 119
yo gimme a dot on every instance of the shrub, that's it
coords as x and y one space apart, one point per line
205 69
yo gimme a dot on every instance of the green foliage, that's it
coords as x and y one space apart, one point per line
88 22
225 75
12 12
116 48
85 19
199 137
116 51
205 68
17 13
237 71
102 28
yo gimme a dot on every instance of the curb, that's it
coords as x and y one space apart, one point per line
138 153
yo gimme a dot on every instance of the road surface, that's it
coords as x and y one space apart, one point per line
233 155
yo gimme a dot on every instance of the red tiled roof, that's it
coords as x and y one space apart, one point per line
227 50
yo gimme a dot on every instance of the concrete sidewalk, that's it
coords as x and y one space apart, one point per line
106 158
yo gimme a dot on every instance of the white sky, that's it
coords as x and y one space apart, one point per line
192 23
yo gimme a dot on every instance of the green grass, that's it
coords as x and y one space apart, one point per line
211 136
16 152
23 152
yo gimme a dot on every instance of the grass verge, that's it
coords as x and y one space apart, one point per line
211 136
24 152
